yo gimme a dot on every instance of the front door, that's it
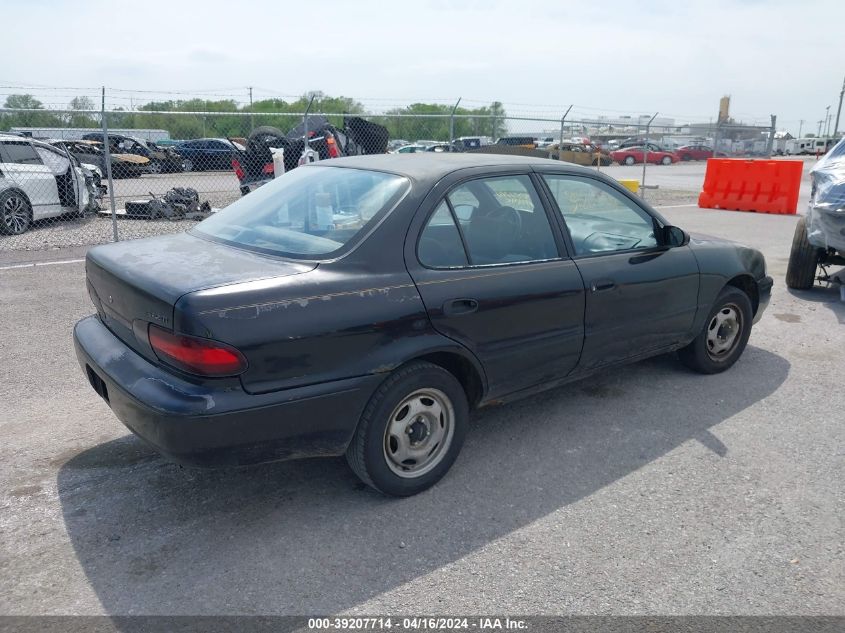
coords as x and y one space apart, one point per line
22 164
641 296
490 268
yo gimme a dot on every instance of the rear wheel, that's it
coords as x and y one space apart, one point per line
724 336
803 259
411 430
187 165
15 213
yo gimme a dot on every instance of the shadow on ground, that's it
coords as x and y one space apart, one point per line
829 297
305 537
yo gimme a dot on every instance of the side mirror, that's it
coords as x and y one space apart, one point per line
674 236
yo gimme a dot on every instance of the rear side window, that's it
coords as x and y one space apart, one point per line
499 220
440 242
20 153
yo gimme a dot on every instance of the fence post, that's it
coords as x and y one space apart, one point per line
645 154
716 139
562 119
452 122
771 140
107 153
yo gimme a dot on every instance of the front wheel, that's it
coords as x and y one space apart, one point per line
411 430
630 160
803 259
724 336
667 160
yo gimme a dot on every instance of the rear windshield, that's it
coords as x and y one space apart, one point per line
309 212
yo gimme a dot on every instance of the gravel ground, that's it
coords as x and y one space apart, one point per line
644 490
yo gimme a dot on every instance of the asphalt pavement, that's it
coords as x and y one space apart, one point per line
643 490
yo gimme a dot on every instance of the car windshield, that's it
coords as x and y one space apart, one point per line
310 212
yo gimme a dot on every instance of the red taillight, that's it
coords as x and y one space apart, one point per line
200 356
268 169
239 172
333 151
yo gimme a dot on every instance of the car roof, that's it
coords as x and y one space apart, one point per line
433 166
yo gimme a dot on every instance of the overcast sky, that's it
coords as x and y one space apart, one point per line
676 57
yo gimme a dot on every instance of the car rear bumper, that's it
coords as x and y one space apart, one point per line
218 425
764 291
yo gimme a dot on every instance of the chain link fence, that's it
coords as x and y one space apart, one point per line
71 178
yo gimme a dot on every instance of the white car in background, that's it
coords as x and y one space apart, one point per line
38 181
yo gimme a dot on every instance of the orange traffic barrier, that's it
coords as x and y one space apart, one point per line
765 186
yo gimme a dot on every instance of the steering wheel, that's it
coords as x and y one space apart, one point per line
508 218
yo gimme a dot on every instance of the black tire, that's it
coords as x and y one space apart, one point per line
368 452
630 160
266 132
667 160
699 355
803 259
15 213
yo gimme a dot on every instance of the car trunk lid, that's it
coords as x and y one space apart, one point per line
138 282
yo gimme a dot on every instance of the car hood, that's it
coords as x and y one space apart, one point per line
131 158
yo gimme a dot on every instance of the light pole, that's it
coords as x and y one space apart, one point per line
839 110
826 120
800 126
820 127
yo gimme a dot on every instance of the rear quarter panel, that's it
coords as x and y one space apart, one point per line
325 325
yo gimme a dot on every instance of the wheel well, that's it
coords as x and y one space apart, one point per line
747 284
18 191
463 370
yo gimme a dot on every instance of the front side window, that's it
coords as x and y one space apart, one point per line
600 219
310 212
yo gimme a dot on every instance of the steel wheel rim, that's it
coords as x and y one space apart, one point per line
15 214
419 433
723 332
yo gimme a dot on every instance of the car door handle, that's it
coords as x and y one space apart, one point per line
602 284
460 306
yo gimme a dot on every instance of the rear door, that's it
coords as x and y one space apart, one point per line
494 275
641 296
23 165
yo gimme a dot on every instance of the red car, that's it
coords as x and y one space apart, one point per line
631 155
694 152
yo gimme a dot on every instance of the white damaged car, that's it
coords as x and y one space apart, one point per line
37 182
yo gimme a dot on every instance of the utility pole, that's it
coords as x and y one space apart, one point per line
826 120
820 127
800 126
839 110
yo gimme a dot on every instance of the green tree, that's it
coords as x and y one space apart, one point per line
27 119
81 119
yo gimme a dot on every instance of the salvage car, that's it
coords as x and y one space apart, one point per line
694 152
364 305
91 152
819 240
161 159
206 153
632 155
579 154
253 163
38 181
